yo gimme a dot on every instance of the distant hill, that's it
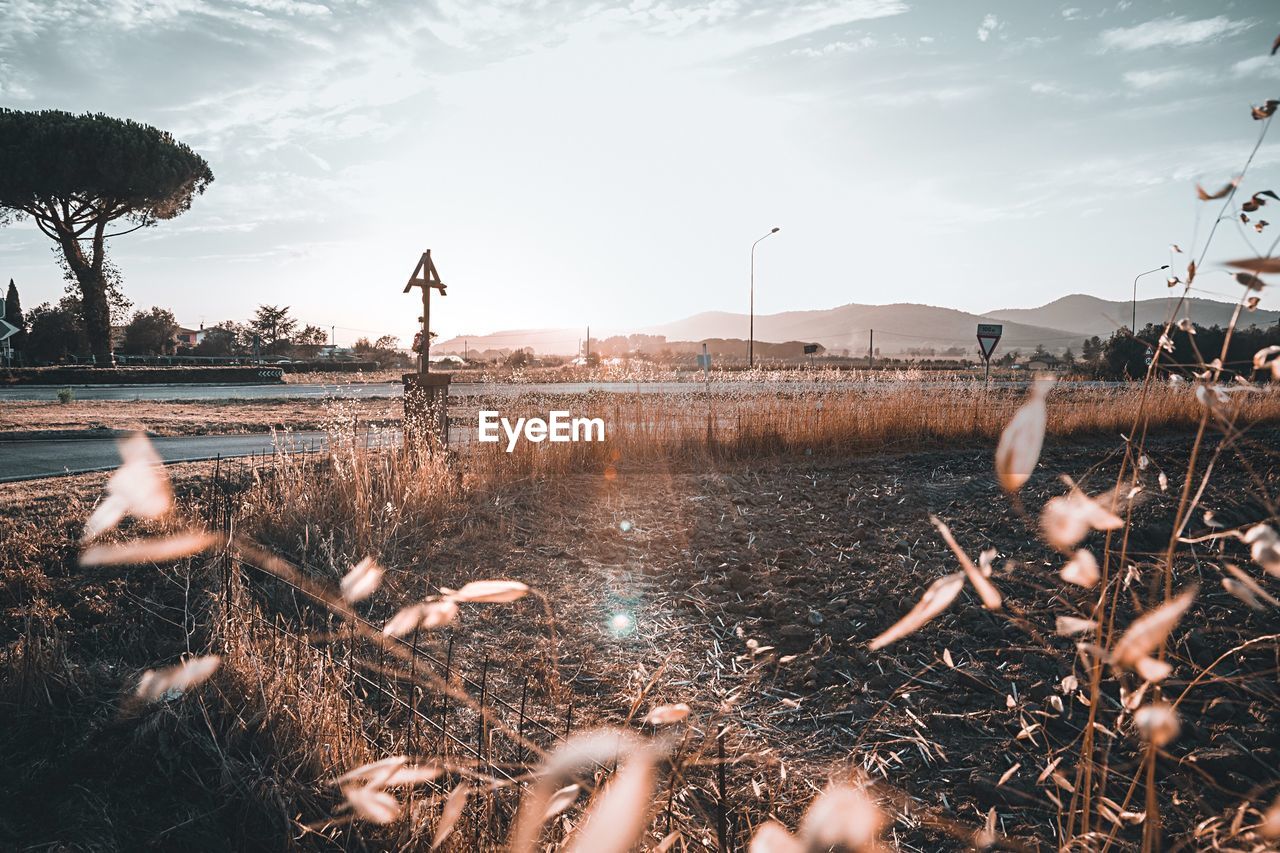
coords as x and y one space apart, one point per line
543 341
899 328
1093 316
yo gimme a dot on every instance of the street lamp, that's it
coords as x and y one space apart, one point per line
1133 324
751 335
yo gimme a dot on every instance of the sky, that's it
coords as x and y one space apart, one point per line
572 163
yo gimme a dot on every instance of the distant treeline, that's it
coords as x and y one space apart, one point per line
1124 356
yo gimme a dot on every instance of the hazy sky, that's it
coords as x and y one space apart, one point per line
610 163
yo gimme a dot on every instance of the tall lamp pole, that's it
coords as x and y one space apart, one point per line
1133 323
751 335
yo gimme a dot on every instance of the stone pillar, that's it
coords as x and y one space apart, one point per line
426 408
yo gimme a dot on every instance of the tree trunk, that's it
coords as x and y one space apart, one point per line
97 316
95 310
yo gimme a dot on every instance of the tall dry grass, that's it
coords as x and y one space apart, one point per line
699 425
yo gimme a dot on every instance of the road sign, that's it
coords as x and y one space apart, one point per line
988 336
7 329
425 276
810 349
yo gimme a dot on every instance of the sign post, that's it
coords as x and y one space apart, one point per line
7 330
988 336
704 361
809 350
426 394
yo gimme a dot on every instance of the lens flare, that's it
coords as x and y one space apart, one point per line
622 624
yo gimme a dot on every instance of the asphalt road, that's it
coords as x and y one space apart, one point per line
393 389
30 460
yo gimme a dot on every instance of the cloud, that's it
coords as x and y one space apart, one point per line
925 95
989 26
11 87
1173 31
837 47
29 19
726 26
1053 90
1257 66
1157 78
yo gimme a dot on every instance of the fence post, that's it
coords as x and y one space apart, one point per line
351 678
524 694
722 812
444 699
413 693
484 687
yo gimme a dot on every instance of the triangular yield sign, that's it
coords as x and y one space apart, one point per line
988 336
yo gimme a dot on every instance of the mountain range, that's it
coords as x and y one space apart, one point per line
898 328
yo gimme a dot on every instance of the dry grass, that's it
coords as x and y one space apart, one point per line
696 427
192 417
293 705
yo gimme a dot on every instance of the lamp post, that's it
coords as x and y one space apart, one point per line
1133 323
751 335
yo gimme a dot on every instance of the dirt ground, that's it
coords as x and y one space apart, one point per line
683 572
815 559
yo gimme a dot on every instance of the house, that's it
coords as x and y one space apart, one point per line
447 361
185 337
1044 361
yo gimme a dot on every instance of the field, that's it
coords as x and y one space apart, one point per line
735 553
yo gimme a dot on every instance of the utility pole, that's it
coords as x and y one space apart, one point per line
586 356
871 350
464 349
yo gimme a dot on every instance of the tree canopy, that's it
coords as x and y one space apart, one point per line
13 314
273 326
80 170
150 333
74 175
55 331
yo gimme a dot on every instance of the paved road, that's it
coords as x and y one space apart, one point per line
393 389
30 460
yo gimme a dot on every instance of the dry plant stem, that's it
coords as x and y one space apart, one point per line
1204 672
1084 778
276 566
1082 795
1151 827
